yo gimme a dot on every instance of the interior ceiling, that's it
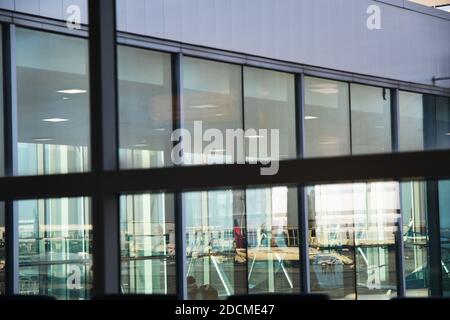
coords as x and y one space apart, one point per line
145 116
38 99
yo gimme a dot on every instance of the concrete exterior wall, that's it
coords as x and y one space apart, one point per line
413 43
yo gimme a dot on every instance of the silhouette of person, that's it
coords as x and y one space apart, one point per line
192 288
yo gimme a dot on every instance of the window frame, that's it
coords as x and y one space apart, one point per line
105 182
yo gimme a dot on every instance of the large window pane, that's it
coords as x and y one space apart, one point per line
411 120
2 249
442 123
352 240
55 248
327 118
270 104
273 242
376 216
53 103
147 244
371 119
212 96
145 108
216 247
415 238
216 265
444 211
424 122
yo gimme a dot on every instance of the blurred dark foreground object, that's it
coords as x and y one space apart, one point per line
26 298
419 299
281 297
137 297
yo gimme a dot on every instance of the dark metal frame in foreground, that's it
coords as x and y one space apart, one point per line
396 166
105 182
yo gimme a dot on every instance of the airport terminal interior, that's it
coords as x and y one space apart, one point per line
238 241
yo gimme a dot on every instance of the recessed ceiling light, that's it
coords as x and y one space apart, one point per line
205 106
326 143
43 139
325 88
65 98
55 120
140 145
311 118
325 91
160 129
218 151
71 91
254 137
219 114
447 134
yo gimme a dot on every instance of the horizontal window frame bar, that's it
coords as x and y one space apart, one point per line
41 23
426 165
49 186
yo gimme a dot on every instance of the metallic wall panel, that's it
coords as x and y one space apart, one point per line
412 44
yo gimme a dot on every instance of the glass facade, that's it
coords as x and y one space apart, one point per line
371 119
145 108
273 240
327 118
238 241
411 121
147 233
55 248
269 103
212 93
444 210
53 103
215 244
415 238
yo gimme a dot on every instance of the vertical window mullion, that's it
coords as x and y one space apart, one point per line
180 219
304 278
11 139
104 144
395 131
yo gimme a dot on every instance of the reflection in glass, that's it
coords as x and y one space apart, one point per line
273 243
327 119
442 123
371 119
147 244
415 238
216 244
2 147
352 240
53 103
145 108
270 104
55 246
213 95
376 215
411 121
